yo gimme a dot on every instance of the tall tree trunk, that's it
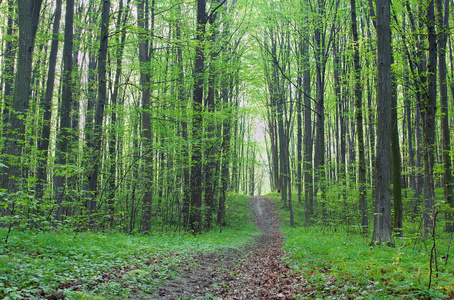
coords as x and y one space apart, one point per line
428 110
121 38
226 81
43 143
444 118
8 71
320 139
195 219
382 218
65 110
396 160
307 138
340 123
145 80
91 97
299 133
99 111
182 99
410 132
29 11
359 122
212 149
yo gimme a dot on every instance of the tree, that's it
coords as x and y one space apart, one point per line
65 110
8 70
382 217
195 218
123 13
444 119
29 11
428 111
145 80
396 160
359 122
43 143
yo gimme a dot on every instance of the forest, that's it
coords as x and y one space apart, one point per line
135 123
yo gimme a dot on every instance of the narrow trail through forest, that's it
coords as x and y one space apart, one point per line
256 271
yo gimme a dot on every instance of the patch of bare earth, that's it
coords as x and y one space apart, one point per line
254 272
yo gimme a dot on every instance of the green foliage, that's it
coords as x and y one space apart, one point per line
346 264
90 266
237 209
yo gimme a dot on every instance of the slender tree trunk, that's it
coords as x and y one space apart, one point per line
65 110
320 140
299 133
396 160
8 71
195 218
89 114
212 149
226 81
342 176
43 143
359 123
307 138
99 112
410 132
145 79
444 118
121 38
428 110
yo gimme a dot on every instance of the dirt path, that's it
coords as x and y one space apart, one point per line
255 272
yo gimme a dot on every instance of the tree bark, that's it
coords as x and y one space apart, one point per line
307 138
359 123
382 218
8 71
428 111
43 143
99 111
65 111
29 11
396 160
444 118
145 79
195 218
121 38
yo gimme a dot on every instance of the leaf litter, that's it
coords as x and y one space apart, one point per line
256 271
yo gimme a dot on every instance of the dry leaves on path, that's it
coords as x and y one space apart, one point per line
254 272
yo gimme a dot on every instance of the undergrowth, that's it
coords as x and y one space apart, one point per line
336 261
100 266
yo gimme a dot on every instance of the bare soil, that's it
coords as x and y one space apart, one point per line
256 271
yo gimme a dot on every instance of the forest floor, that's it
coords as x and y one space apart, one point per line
255 272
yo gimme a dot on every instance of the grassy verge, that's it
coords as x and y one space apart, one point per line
97 266
338 264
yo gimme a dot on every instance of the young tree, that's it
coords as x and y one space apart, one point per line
428 111
145 80
359 122
43 143
64 135
444 118
8 64
195 218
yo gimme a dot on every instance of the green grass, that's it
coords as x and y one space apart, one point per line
338 263
103 266
379 271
